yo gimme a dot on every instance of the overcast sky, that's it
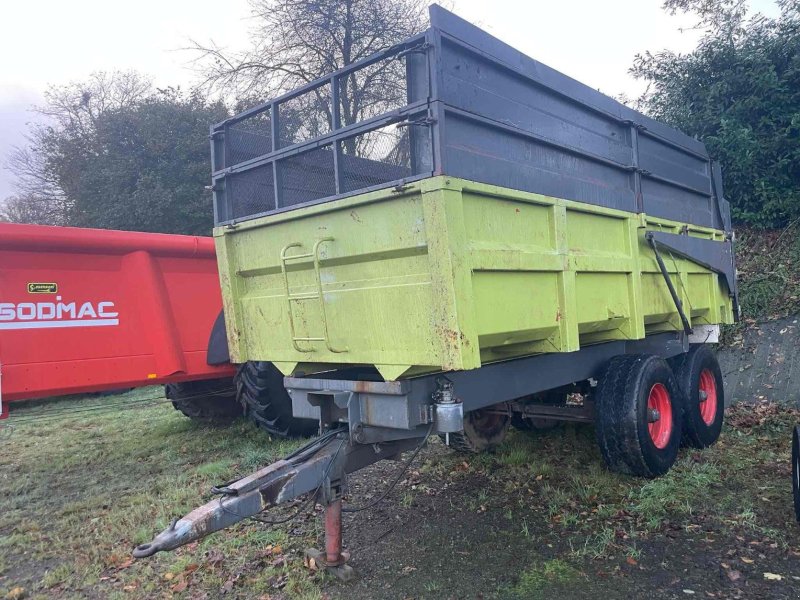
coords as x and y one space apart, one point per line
52 42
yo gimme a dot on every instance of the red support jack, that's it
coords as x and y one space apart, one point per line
333 534
333 559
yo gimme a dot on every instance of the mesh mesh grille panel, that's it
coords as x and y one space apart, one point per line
375 157
307 176
306 158
305 117
372 91
248 139
251 192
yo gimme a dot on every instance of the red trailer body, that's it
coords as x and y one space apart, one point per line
85 310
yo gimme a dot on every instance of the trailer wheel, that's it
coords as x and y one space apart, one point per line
205 400
700 379
266 402
638 415
796 471
483 430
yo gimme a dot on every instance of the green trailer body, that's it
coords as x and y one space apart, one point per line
447 274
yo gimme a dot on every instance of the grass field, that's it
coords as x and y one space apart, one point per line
82 481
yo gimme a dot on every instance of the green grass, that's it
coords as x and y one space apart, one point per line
686 486
80 489
540 581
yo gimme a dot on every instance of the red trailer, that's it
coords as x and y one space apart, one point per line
84 310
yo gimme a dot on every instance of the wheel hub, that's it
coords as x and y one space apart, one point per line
659 410
708 396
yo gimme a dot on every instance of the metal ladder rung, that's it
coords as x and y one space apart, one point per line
297 256
318 295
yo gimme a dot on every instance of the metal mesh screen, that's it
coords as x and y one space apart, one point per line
305 117
375 157
307 176
330 137
249 138
251 192
373 90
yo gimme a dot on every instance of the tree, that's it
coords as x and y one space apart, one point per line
44 167
147 166
118 154
739 92
297 41
26 208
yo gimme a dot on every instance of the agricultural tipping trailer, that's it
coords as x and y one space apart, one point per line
88 310
490 242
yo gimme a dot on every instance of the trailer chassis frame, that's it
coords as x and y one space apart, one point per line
363 422
382 411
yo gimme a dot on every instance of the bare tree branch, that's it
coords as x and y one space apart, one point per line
293 42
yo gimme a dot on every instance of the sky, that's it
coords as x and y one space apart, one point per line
51 42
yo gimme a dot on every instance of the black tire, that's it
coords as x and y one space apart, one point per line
698 371
205 400
796 471
623 393
266 402
482 431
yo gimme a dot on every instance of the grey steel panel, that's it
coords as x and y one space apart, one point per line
674 164
503 53
482 153
474 84
560 130
717 256
669 202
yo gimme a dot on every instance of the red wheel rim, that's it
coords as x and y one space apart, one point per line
708 396
659 416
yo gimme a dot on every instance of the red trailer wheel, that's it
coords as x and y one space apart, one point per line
700 380
708 396
638 415
205 400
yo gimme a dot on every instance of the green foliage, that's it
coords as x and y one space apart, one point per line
117 154
144 167
739 92
769 272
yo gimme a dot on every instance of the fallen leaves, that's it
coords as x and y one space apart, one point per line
17 593
310 563
119 561
180 585
772 576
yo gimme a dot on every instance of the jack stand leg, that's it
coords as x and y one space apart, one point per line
333 559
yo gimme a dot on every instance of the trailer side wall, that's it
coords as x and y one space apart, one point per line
450 274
